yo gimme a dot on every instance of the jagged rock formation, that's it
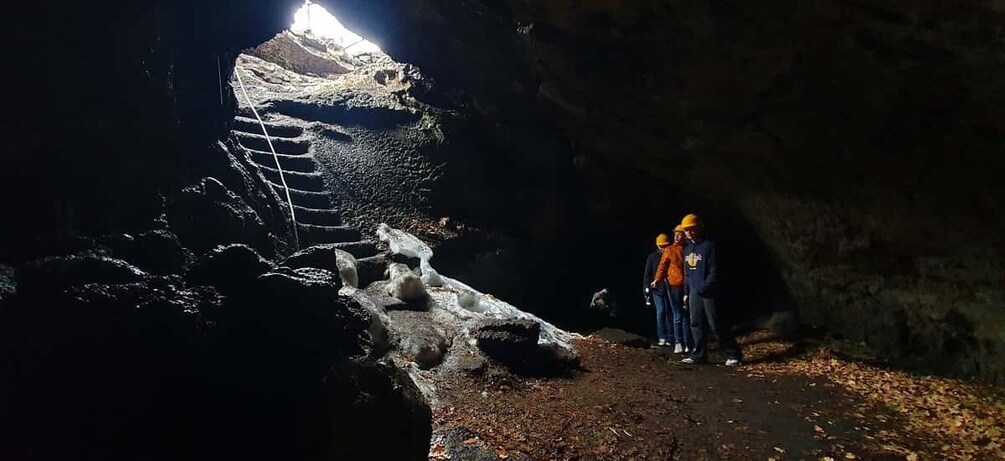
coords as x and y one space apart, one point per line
852 169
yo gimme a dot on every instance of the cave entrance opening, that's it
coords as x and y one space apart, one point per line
313 19
303 99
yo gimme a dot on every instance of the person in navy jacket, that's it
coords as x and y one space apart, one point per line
701 287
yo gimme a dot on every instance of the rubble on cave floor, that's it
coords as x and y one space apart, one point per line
789 401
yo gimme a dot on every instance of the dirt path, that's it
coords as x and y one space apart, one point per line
786 403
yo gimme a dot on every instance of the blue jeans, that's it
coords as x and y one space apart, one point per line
663 329
702 311
681 317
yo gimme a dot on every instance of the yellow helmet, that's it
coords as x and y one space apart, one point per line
663 240
691 220
679 228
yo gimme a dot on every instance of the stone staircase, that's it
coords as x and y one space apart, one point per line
317 221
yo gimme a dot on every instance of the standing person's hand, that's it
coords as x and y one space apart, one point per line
685 301
653 284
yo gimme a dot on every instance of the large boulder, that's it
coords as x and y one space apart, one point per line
377 413
208 214
229 267
509 341
304 308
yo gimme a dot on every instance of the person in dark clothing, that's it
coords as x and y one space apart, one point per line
657 294
701 287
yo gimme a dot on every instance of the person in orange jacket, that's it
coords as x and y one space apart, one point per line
671 269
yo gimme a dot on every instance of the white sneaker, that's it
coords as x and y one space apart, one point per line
662 342
678 349
688 360
732 362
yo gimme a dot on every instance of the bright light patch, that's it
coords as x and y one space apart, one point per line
321 23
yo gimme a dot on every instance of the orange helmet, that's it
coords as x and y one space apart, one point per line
689 221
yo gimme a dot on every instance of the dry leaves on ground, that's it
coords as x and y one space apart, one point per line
961 420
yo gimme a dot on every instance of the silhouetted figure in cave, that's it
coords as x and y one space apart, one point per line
657 290
701 288
671 271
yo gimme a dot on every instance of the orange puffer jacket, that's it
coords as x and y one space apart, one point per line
672 266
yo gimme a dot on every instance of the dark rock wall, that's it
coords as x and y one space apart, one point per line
854 142
119 168
116 107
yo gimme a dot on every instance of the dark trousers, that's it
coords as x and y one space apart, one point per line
704 317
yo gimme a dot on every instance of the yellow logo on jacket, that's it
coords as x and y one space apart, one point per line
692 259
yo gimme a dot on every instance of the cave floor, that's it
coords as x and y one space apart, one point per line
788 401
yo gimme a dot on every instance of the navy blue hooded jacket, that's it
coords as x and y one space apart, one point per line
700 268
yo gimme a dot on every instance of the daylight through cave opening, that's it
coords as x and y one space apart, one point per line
302 97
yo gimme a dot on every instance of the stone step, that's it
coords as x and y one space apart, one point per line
321 254
251 125
311 234
245 111
292 146
305 199
316 216
312 182
298 163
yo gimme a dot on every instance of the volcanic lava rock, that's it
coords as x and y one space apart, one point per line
58 272
159 252
229 267
371 269
208 214
419 338
509 341
306 309
323 255
124 364
377 403
8 284
466 361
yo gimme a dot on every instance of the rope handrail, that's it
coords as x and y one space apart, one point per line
275 156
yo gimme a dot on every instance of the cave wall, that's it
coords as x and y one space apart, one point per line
116 107
133 322
856 141
857 145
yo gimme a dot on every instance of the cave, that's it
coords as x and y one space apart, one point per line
187 180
